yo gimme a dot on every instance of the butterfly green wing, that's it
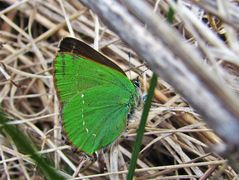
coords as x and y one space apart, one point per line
96 100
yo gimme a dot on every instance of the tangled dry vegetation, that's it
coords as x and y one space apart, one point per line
177 143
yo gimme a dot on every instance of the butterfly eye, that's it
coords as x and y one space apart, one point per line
137 83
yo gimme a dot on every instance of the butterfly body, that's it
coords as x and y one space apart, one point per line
95 97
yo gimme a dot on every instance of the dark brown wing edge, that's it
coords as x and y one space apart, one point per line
78 47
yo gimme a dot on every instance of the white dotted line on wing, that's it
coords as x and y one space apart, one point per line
82 116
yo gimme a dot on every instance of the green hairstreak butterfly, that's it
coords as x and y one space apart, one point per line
95 94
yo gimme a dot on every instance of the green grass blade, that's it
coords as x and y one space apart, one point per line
25 146
170 17
140 132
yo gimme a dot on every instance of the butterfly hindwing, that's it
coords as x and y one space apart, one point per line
93 120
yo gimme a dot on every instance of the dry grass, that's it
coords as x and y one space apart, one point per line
177 142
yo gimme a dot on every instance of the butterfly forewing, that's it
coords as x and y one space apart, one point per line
77 73
77 47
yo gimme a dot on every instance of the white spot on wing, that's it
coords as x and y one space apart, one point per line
87 130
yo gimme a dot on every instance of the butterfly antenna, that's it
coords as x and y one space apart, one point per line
131 67
136 69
